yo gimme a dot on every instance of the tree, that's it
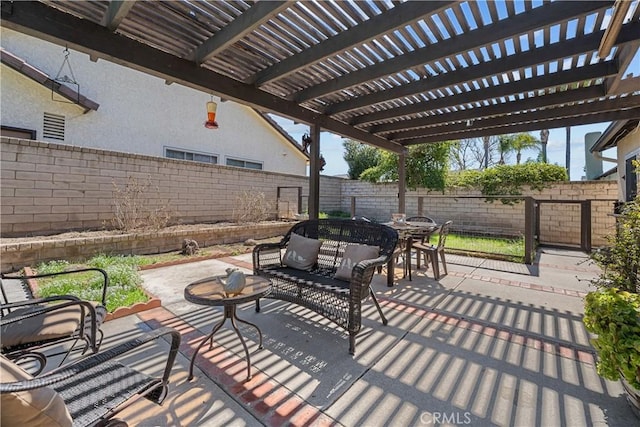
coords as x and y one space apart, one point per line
473 153
486 141
544 138
516 143
426 166
359 157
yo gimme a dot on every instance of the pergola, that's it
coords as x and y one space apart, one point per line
387 73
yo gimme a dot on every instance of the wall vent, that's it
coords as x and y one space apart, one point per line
53 126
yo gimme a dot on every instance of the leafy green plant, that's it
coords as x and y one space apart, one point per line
426 166
613 310
620 260
125 283
614 315
504 180
359 157
334 214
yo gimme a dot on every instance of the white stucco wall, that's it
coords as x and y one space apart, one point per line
138 113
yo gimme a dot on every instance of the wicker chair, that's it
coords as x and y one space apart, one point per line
425 249
31 326
87 392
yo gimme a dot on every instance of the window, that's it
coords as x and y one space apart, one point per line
53 126
631 178
174 153
243 164
18 132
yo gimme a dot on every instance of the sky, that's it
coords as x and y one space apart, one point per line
332 150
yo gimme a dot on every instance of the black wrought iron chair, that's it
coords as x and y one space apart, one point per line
30 326
433 251
86 392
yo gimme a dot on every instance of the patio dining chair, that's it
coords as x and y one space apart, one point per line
433 251
30 326
422 237
89 391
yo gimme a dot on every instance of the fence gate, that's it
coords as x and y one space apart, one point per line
289 202
573 223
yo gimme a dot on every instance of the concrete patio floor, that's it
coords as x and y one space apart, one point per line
491 343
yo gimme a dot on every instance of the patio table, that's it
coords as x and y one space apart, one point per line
210 291
406 232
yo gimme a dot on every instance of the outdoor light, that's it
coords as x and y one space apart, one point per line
211 115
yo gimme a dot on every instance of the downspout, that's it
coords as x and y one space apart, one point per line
598 155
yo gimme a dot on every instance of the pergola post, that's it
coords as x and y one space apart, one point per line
402 157
314 173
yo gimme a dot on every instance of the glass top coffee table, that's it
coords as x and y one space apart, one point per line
210 291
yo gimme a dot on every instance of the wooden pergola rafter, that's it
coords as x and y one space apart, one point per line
389 74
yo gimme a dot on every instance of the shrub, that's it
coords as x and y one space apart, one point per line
508 179
132 208
252 206
613 310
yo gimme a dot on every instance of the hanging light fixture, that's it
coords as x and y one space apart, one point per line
62 79
211 115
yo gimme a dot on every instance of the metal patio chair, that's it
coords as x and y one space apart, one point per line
30 326
87 392
433 251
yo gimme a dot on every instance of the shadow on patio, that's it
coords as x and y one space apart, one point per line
479 347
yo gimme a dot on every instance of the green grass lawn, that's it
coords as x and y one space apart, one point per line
482 246
125 282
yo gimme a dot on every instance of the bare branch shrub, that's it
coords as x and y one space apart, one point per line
252 206
132 210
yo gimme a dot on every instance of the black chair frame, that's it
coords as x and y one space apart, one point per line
88 333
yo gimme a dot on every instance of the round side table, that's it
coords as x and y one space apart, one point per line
210 291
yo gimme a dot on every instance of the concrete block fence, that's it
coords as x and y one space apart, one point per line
51 188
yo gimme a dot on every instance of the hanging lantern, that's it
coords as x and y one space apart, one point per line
211 115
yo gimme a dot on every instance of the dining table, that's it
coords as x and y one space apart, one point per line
407 232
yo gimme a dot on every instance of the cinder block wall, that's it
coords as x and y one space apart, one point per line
559 222
50 188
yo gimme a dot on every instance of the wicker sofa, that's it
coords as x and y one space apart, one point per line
336 282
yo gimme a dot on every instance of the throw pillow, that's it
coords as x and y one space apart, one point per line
39 407
353 254
302 252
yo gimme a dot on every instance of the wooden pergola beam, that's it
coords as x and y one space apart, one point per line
254 17
588 72
632 113
47 23
400 15
116 12
518 24
534 102
575 46
576 109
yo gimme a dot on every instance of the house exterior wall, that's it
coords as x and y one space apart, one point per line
138 113
629 146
